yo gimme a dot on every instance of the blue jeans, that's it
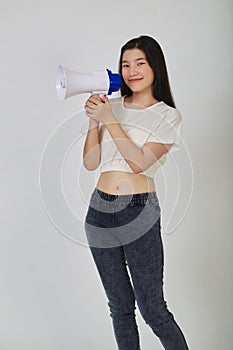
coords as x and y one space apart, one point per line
131 268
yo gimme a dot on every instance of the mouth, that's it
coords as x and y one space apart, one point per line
132 81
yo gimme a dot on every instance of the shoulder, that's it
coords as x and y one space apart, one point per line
167 112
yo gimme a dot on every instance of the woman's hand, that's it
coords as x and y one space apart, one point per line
99 109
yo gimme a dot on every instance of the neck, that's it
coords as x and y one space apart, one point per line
143 100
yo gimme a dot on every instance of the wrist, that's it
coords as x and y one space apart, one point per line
110 120
93 123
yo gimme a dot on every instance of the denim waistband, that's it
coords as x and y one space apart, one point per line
135 198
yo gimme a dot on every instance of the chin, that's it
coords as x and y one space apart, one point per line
135 89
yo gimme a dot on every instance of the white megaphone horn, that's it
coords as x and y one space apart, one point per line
70 83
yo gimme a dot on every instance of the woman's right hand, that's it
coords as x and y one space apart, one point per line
92 122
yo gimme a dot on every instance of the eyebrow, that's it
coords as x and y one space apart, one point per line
137 59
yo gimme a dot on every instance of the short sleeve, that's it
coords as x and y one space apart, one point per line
169 130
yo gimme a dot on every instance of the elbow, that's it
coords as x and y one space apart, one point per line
91 162
90 167
136 169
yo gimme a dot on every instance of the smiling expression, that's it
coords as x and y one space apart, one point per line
136 71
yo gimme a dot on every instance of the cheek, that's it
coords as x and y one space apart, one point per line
152 77
151 74
124 76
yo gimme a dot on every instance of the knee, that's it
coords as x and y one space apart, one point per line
122 308
156 314
159 320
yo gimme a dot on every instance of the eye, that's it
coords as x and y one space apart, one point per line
125 65
141 63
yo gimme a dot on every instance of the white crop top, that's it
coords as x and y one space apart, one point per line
158 123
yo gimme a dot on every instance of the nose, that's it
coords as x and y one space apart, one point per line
132 71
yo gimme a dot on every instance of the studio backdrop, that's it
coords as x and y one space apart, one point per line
51 297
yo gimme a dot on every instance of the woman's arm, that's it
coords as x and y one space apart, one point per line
138 158
91 150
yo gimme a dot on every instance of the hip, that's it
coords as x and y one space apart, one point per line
121 183
114 220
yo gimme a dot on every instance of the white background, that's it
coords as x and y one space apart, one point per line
50 296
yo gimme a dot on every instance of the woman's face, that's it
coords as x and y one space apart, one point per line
136 71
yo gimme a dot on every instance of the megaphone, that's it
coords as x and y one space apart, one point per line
70 83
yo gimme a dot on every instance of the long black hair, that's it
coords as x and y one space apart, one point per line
156 60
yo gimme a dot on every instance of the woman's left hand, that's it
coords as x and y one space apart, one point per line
99 109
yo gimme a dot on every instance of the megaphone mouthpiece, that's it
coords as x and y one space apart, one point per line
70 83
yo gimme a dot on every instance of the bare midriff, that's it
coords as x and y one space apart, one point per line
120 183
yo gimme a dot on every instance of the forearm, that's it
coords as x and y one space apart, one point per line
138 158
91 150
133 155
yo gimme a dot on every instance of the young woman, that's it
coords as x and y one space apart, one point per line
129 138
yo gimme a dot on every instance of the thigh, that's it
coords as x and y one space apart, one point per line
145 259
111 265
100 226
